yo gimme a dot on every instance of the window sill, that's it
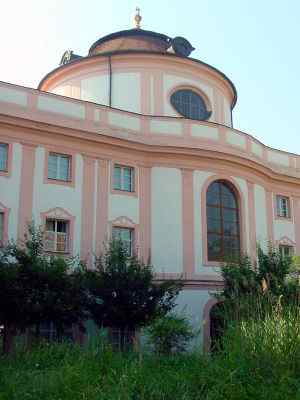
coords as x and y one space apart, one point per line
278 217
124 192
60 182
58 253
5 173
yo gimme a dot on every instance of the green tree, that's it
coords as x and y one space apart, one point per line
36 288
130 296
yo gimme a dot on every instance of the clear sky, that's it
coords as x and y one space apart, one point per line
254 42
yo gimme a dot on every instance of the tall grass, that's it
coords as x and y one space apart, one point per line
259 359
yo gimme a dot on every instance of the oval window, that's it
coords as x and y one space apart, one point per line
190 104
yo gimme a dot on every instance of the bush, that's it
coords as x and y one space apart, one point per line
170 334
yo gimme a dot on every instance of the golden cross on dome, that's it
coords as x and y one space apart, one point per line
137 18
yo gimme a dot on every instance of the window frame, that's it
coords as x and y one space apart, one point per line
62 215
134 179
277 211
199 93
7 171
56 233
132 236
282 246
72 166
241 206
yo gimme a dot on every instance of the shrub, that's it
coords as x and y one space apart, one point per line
170 334
130 296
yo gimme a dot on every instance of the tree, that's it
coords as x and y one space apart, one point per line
130 296
170 334
251 288
36 288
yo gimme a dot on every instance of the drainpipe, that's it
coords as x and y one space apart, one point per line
110 81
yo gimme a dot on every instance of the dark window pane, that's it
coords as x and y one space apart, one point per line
214 225
229 215
213 212
222 222
190 104
214 246
230 228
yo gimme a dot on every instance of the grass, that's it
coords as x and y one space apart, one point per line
260 360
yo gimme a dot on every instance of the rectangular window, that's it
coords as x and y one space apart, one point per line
286 251
59 167
123 178
57 235
283 207
126 236
1 228
3 156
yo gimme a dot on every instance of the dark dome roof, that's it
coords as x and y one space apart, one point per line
133 39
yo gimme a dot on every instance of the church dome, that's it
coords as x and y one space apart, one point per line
131 39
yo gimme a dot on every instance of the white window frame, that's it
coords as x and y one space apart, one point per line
5 169
131 241
55 235
282 248
59 156
122 179
283 206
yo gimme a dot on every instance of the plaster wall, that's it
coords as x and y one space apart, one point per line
48 196
10 189
123 206
261 215
242 185
126 91
284 228
95 89
190 303
199 179
166 226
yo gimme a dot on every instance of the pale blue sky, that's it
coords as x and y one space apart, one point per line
255 43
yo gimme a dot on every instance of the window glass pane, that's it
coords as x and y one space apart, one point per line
52 166
229 215
1 227
50 225
214 225
213 212
213 194
214 246
230 228
127 179
64 168
125 235
62 226
117 177
222 222
3 156
190 104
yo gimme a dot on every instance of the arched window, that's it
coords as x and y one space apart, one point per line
223 230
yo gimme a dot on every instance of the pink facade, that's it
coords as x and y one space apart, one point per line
99 147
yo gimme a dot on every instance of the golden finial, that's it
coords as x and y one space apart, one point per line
137 18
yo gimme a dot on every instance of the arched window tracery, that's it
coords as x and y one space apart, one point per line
223 225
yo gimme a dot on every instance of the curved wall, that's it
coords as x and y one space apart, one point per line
142 83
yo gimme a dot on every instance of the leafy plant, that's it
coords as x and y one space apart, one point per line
170 334
130 296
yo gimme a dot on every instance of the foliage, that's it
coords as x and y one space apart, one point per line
130 297
253 365
170 334
271 278
36 288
